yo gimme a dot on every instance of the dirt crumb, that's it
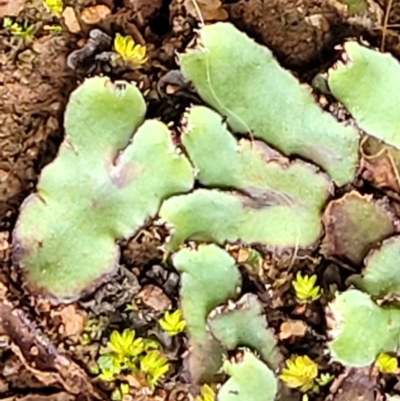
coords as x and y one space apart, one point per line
11 8
93 15
143 10
154 298
211 10
296 31
70 20
35 89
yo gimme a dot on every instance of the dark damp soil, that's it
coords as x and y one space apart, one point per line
44 352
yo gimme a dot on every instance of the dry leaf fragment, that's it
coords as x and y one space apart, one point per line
154 298
94 14
70 19
11 8
243 255
292 328
37 397
355 384
211 10
72 321
40 357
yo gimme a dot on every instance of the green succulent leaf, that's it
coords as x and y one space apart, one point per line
209 278
228 327
101 187
361 330
367 85
279 203
220 217
242 81
251 380
381 276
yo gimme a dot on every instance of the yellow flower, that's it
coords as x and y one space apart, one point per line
206 393
134 55
305 288
300 373
172 323
54 7
386 364
125 345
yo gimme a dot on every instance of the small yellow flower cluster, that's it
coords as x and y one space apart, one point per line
132 54
54 7
305 288
172 323
302 373
387 364
127 353
206 394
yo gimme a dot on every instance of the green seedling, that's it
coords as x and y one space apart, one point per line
118 393
250 380
355 6
154 366
93 368
53 29
25 30
209 278
367 85
101 187
268 103
324 379
381 276
254 258
172 323
305 288
86 339
228 327
109 367
248 258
